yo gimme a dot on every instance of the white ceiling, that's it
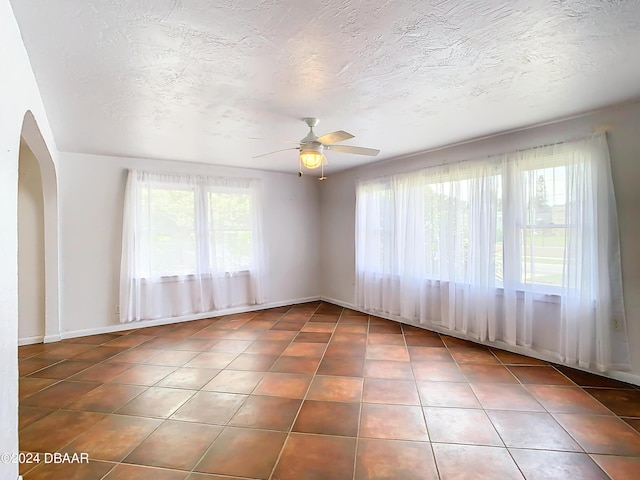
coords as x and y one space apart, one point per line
194 80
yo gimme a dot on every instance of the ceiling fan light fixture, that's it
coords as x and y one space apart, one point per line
311 156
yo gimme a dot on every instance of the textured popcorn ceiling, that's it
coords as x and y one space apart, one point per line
194 80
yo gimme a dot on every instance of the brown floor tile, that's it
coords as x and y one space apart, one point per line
176 445
114 437
253 362
287 326
102 372
131 472
387 352
234 381
199 408
461 425
144 375
62 370
317 327
549 465
164 343
437 372
54 431
63 350
107 398
476 355
601 434
30 385
304 349
501 396
99 353
268 413
328 418
540 375
349 338
394 459
171 358
345 350
228 454
96 339
559 399
354 320
231 345
508 358
26 351
397 422
453 342
385 339
351 328
475 462
447 394
585 379
316 457
305 366
287 385
619 468
429 354
532 430
633 423
624 403
341 367
93 470
321 318
390 327
279 336
313 337
158 402
129 340
59 395
212 360
189 378
335 389
28 415
390 392
484 373
388 369
423 341
135 355
30 365
267 347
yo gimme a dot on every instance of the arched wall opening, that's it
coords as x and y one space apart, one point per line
31 269
32 140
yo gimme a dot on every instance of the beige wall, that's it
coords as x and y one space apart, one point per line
31 309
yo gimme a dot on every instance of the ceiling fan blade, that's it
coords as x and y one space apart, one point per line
356 150
277 151
334 137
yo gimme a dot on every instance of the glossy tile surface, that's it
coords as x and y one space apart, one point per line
315 391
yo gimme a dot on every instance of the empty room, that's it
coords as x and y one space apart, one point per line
280 240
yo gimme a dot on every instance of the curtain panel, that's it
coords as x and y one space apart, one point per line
520 248
190 244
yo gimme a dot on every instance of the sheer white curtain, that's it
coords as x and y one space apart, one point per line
520 248
190 244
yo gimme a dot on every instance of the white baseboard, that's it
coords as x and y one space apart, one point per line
30 340
119 327
627 377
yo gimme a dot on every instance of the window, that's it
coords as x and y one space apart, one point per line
190 237
478 246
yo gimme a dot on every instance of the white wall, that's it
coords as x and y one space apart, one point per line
91 192
31 275
337 199
18 94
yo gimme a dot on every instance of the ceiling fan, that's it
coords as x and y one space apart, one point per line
312 147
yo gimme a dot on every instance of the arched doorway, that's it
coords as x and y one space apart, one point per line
41 161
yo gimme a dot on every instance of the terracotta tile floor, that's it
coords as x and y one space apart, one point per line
315 391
